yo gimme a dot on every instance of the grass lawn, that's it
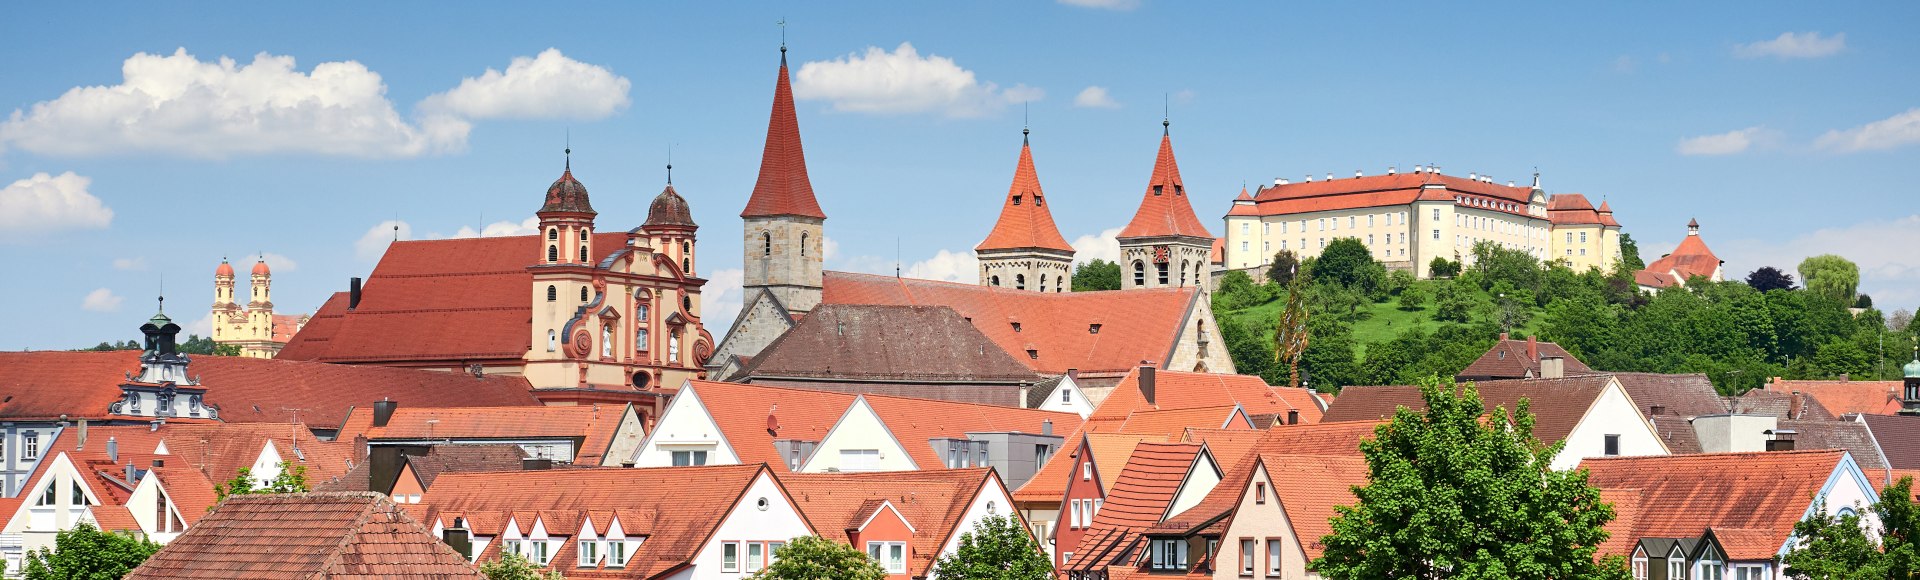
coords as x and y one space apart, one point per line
1385 320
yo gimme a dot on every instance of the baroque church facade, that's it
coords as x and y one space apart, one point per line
254 329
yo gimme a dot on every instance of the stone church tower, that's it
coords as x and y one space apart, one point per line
1025 251
784 224
1165 246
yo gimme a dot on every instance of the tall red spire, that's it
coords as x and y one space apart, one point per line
1164 211
1025 221
783 187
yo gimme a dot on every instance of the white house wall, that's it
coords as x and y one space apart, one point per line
1200 480
860 428
1077 402
992 500
780 522
685 426
1612 413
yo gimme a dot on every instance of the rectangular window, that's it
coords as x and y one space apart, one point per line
1243 245
890 555
1351 220
1613 445
1639 568
1246 556
859 459
589 552
617 553
1086 471
1436 234
1073 513
1369 220
1273 558
1245 227
1260 492
1066 396
754 556
1096 510
773 551
1267 228
1369 239
540 555
730 557
29 445
688 458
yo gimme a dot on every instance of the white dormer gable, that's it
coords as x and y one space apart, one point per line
860 441
1612 413
764 512
1067 397
990 499
685 426
161 448
266 466
539 531
1202 476
512 529
35 513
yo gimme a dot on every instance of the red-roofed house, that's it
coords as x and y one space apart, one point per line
1061 500
1691 258
1280 511
1159 480
1592 414
882 433
1408 219
715 423
307 535
1146 389
586 435
1165 245
1024 251
904 520
1845 397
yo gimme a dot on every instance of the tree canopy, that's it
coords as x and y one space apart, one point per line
1346 262
1285 266
1831 276
1769 278
1097 274
512 566
87 553
1450 495
1840 547
816 558
292 479
997 548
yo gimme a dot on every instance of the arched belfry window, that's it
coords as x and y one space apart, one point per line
1020 281
553 293
1043 282
686 265
553 253
803 244
995 280
766 243
1139 273
553 234
583 254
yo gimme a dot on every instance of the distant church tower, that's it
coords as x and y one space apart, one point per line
1165 246
1025 251
256 330
784 224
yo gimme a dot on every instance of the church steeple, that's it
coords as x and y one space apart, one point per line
1165 244
1025 250
566 220
783 187
784 224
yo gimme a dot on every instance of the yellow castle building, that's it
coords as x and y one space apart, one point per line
255 329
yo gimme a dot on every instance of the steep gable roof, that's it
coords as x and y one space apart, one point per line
1025 221
887 343
1575 209
1691 258
219 450
1137 501
1174 423
1110 452
933 502
1558 405
783 187
751 417
1309 487
1164 208
1340 439
1134 325
915 422
1508 359
308 535
1188 390
1846 397
1681 496
1898 436
591 427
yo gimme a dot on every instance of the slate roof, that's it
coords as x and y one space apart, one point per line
1043 390
1137 501
1898 437
741 412
309 535
915 422
1558 405
1025 222
783 187
1164 209
591 427
1135 325
933 502
83 385
421 288
1846 397
1508 360
886 343
1850 436
1680 496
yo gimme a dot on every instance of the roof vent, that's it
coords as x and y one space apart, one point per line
1509 183
1473 176
1391 170
1356 174
1309 178
1279 181
1329 176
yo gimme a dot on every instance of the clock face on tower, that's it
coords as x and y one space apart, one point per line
1162 254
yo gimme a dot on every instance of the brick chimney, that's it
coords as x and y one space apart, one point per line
1533 348
1146 383
383 412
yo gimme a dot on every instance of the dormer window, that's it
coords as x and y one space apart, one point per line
1093 328
1016 200
1016 326
1156 189
1179 189
1033 354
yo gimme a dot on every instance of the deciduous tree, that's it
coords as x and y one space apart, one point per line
1097 274
511 566
1769 278
85 552
1831 276
997 548
816 558
292 479
1285 266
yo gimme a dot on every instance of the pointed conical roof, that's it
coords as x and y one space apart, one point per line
783 187
1025 221
1164 210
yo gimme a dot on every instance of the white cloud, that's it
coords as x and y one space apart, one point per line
279 263
1727 143
1888 133
178 105
951 266
828 248
1103 246
201 327
1104 4
1095 97
101 300
902 82
1889 270
47 203
130 264
546 86
720 299
373 244
1793 45
526 227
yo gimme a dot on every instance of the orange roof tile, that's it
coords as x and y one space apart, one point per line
1558 405
1318 439
783 187
1846 397
741 412
114 518
1025 221
1186 390
1174 422
1691 258
1574 209
1109 450
191 491
1164 209
1309 487
1228 446
307 535
1680 496
1387 190
914 422
218 451
592 427
932 501
1057 327
1137 501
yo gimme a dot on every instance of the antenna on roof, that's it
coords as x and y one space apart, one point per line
1023 122
896 257
569 150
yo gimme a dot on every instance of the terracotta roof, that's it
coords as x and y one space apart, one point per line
444 459
1508 359
567 195
1778 404
783 187
114 518
1174 422
887 343
1691 258
1319 440
1228 446
1137 501
218 451
1846 397
591 427
1025 221
1243 205
741 412
1164 208
1218 255
1309 487
1135 325
260 268
422 287
309 535
915 422
191 491
1558 405
225 269
1389 190
82 385
676 525
1185 390
933 502
1574 209
1682 495
1898 437
1109 450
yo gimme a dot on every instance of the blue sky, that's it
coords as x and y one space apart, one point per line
1786 129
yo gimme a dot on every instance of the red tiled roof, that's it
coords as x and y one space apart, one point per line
676 525
1025 221
783 187
1244 204
1309 488
741 412
285 326
1846 397
307 535
1680 496
932 501
422 288
1110 452
1558 405
1228 446
1574 209
1137 501
82 385
1387 190
191 491
1508 360
1340 439
1185 390
219 450
114 518
1164 209
592 427
1135 325
1174 422
1219 253
914 422
1691 258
